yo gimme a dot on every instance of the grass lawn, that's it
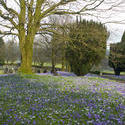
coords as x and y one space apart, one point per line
49 64
1 72
52 100
112 72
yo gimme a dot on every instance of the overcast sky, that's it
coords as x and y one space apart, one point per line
118 13
116 32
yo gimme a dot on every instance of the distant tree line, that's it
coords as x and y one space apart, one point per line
9 52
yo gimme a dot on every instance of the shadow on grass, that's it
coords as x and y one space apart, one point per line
114 78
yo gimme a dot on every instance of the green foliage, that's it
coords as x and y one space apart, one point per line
117 56
86 45
123 38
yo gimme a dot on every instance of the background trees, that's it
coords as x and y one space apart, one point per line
86 45
12 52
26 18
2 51
41 50
117 56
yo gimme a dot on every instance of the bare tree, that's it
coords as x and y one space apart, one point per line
12 52
41 50
58 40
26 18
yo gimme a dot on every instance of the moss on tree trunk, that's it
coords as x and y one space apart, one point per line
26 64
26 48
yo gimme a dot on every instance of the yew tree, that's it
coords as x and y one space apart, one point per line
86 46
117 56
26 18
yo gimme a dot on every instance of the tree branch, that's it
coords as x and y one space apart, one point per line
50 9
9 27
9 10
8 33
96 5
8 19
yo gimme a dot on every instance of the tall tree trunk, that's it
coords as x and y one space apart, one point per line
117 72
53 60
26 48
63 59
68 68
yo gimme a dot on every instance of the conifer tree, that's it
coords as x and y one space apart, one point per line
117 56
86 46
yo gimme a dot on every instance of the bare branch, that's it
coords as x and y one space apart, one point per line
85 7
53 7
9 27
8 33
9 10
96 5
9 19
17 3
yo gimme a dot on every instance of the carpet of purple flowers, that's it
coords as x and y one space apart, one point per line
51 100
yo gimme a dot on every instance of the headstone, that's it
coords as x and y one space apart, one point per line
6 70
45 71
38 70
11 70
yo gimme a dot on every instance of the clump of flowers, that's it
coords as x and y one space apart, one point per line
34 101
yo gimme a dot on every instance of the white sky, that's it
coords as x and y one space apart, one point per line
116 30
